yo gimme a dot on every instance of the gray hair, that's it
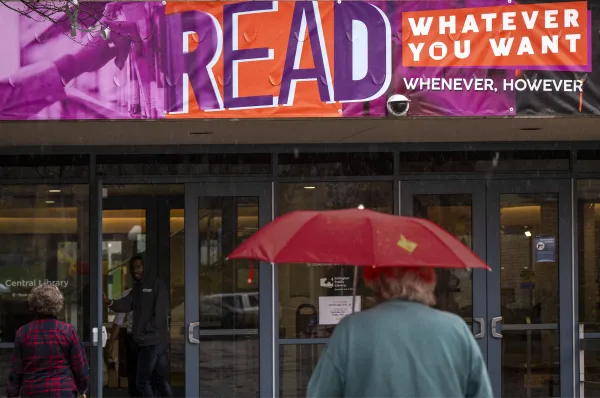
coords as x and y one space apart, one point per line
402 283
46 299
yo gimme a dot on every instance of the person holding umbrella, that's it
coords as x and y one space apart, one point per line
402 347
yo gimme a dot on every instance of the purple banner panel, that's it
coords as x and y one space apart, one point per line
268 59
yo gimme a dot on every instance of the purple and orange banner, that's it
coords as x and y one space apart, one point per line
303 59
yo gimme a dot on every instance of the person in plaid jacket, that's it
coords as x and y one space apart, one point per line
48 359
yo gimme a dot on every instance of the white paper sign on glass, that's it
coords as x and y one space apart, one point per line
333 308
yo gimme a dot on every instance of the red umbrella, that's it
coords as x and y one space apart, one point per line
357 237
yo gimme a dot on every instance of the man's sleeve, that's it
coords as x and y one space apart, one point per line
161 307
124 304
79 364
479 385
120 317
15 379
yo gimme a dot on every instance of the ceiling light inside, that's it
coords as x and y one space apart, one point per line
54 191
49 202
309 187
528 234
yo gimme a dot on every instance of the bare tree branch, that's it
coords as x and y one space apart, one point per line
68 13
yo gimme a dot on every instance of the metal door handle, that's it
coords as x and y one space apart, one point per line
191 337
481 323
495 322
102 338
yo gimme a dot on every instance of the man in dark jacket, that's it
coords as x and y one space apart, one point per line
148 300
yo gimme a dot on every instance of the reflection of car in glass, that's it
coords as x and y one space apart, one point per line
229 311
4 288
221 317
225 311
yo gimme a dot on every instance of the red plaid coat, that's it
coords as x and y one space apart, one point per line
48 361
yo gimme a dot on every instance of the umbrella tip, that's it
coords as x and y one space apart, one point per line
361 207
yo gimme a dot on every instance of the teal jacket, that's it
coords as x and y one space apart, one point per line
401 349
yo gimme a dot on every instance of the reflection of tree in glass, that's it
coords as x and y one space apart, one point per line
227 299
336 195
447 285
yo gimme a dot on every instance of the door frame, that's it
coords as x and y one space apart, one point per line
566 323
194 191
475 188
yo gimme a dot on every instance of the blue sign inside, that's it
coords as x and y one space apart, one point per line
527 285
544 248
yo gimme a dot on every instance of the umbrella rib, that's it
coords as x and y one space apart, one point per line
373 243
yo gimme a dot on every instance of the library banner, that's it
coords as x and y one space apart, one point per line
300 59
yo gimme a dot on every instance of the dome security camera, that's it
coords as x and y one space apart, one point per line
398 105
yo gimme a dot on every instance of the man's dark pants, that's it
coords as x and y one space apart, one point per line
153 371
132 358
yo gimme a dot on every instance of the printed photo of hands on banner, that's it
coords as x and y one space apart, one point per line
269 59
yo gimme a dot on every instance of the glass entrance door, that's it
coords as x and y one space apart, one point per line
530 304
521 311
226 302
459 207
127 222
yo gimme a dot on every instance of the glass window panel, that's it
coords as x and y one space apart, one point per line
253 299
130 225
592 368
301 285
531 363
301 164
297 362
588 224
123 236
529 294
453 212
229 346
483 161
529 258
588 161
46 167
177 274
44 233
192 164
5 356
141 191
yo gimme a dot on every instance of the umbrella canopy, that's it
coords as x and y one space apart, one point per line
357 237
